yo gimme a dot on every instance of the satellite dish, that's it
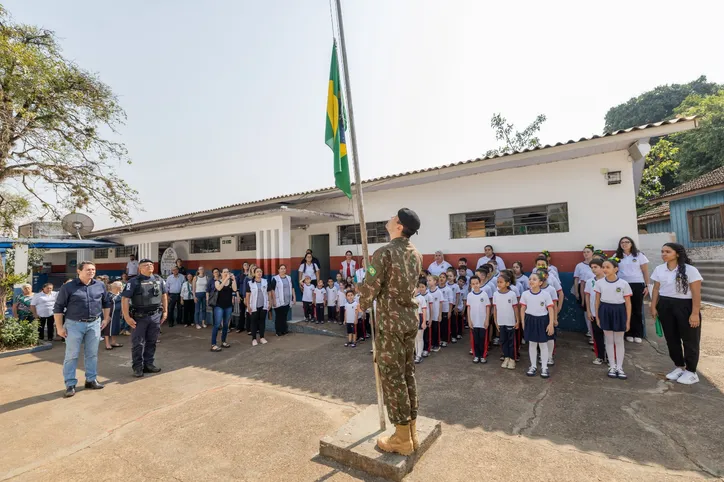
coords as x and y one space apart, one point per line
77 224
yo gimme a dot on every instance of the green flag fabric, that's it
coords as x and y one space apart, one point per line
336 125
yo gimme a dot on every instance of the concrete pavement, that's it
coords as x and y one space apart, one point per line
257 413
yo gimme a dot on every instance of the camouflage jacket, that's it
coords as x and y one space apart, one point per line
391 280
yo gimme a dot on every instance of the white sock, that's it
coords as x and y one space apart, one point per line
588 325
533 353
551 345
544 354
618 343
608 340
419 343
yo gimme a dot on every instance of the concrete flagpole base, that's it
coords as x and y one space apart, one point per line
355 445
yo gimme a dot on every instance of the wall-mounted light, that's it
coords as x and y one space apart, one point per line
613 177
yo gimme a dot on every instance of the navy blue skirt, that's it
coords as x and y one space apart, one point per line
613 317
535 328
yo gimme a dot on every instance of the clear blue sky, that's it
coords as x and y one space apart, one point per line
226 99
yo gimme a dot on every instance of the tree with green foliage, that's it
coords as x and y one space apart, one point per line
514 140
656 105
701 150
52 115
659 173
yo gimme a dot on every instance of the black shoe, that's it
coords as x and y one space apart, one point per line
94 385
69 391
151 369
138 372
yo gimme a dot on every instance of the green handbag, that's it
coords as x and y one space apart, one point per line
659 330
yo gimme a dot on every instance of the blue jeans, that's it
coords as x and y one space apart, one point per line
221 318
200 310
90 335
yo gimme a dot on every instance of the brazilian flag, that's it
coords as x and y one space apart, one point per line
336 125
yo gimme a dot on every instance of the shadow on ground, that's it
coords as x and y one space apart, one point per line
645 419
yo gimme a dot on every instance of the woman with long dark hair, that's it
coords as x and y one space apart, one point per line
310 268
283 297
582 274
257 305
225 286
676 301
634 269
491 256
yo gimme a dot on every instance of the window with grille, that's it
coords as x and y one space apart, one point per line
101 253
125 251
349 234
206 245
706 224
246 242
550 218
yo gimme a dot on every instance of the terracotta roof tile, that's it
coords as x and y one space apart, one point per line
710 179
658 212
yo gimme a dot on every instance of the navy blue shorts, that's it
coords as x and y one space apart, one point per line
350 328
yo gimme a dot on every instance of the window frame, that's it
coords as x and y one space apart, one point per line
123 249
96 256
193 241
239 237
509 221
691 213
379 228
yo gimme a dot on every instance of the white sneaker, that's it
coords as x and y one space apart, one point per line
263 341
675 374
588 334
418 359
638 340
254 342
425 354
454 340
688 378
443 344
629 339
597 361
476 360
471 352
551 361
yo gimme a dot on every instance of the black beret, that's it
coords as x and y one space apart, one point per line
409 219
145 260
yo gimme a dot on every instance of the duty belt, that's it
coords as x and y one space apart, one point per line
146 313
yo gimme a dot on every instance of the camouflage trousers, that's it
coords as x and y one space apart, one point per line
396 361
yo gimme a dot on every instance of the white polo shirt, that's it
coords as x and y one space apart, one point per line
629 268
132 268
536 304
477 303
434 297
437 269
44 303
667 281
613 292
505 304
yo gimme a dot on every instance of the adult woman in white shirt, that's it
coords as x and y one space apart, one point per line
200 287
42 308
490 255
309 268
634 269
676 301
348 266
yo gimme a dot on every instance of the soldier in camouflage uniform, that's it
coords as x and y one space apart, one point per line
391 279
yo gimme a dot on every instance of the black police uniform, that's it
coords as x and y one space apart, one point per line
146 295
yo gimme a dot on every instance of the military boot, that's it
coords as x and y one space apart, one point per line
400 442
413 434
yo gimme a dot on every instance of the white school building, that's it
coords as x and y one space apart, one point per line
556 197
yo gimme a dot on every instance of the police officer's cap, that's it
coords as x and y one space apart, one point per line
145 260
409 219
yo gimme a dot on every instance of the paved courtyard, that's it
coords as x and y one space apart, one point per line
258 413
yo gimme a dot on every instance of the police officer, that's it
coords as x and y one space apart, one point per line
391 279
145 307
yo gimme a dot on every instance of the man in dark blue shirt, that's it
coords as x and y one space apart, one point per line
82 301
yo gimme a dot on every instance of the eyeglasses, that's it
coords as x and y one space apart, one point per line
625 242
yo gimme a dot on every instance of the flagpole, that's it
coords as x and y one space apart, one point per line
360 202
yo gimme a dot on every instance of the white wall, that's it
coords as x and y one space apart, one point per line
598 213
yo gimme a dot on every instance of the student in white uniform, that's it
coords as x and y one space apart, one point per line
491 256
538 315
331 301
341 301
521 280
478 305
436 304
452 285
554 294
320 301
613 315
541 263
308 298
427 332
599 346
445 316
438 266
422 320
581 274
460 306
634 269
505 314
552 270
350 318
676 301
463 263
